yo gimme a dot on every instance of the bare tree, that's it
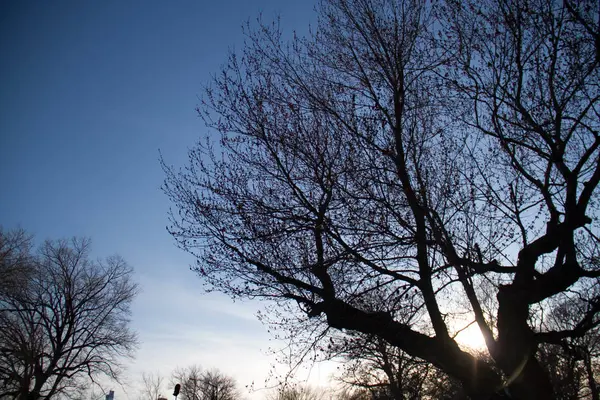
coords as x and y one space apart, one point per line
91 392
190 379
353 394
199 384
152 386
67 323
407 165
386 372
573 364
296 392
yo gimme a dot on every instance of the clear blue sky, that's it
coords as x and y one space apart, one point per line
90 91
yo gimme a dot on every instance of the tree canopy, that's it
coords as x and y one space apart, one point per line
406 164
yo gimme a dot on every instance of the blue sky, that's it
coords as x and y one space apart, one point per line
90 92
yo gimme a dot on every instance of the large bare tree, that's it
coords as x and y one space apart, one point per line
408 164
64 318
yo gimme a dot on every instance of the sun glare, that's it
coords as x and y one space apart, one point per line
472 338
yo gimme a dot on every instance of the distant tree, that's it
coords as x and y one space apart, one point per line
190 379
91 392
152 386
386 372
376 173
353 393
64 318
573 364
297 392
199 384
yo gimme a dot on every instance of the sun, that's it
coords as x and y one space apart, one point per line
471 337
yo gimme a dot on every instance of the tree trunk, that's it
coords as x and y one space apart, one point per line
516 348
590 376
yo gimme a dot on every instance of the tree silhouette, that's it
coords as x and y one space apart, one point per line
406 165
152 386
64 319
199 384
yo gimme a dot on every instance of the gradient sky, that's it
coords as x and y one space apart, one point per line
90 92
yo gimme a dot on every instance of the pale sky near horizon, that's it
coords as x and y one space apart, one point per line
90 92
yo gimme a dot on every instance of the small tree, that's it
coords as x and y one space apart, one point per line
190 379
198 384
67 322
152 386
296 392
